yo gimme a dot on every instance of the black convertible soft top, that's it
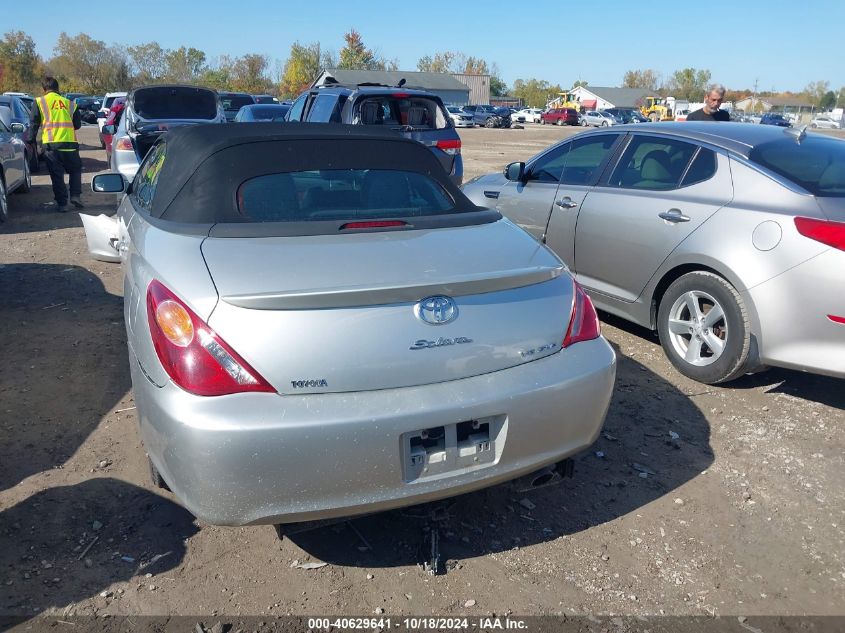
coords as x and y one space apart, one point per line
205 164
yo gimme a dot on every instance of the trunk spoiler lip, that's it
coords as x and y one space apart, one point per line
410 292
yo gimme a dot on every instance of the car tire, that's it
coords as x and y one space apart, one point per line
604 123
155 476
813 125
685 331
542 121
560 122
26 187
4 201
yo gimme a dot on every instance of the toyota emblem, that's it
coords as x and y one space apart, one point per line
437 310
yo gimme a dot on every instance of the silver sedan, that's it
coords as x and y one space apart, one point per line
728 239
321 324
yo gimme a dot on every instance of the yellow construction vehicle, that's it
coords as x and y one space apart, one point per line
656 109
564 100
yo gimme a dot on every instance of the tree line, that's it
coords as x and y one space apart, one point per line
84 64
691 83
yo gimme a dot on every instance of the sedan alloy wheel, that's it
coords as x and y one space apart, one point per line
704 328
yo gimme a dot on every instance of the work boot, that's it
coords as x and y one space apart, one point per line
75 201
58 207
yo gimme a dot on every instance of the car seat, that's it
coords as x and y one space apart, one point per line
655 171
383 189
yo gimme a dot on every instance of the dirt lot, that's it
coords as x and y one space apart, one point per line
696 500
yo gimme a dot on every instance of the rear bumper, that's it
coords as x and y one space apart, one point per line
262 458
793 308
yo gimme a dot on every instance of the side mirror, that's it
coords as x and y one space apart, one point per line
18 128
515 172
108 183
109 129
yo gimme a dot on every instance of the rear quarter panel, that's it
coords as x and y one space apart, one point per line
176 261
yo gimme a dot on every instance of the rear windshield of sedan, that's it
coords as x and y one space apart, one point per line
175 103
341 194
817 164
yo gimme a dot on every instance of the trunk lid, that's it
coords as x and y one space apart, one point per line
340 313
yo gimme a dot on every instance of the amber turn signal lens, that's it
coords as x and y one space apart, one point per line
175 323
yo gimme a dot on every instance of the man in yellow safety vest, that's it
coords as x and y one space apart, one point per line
59 119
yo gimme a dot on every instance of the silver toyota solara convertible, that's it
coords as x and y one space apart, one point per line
727 238
320 324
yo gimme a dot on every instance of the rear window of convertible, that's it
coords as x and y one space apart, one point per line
341 194
817 163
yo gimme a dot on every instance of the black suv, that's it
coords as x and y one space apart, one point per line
416 114
234 101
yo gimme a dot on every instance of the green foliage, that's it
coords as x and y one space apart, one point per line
84 64
535 93
356 56
689 84
442 62
184 65
646 79
148 62
827 101
498 88
301 69
579 83
18 63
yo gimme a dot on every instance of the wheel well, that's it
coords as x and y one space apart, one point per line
667 281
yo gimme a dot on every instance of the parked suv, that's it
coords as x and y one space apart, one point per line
416 114
151 111
234 101
560 116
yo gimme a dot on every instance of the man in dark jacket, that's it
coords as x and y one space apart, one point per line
711 112
58 118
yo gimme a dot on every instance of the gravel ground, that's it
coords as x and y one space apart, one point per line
695 500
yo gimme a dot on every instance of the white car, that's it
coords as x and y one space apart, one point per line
598 119
825 122
528 115
459 117
103 112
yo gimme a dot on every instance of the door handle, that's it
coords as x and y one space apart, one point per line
566 203
673 215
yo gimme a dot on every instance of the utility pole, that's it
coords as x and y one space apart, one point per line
754 98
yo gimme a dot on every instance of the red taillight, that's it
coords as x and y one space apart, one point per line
376 224
450 146
584 322
193 355
124 145
824 231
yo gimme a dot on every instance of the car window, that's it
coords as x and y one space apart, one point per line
817 163
325 110
295 112
3 127
549 167
396 110
652 162
586 158
161 102
702 168
341 194
146 181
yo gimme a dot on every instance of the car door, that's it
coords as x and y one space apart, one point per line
529 203
659 192
12 157
584 160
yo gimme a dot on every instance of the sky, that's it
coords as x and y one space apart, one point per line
777 45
